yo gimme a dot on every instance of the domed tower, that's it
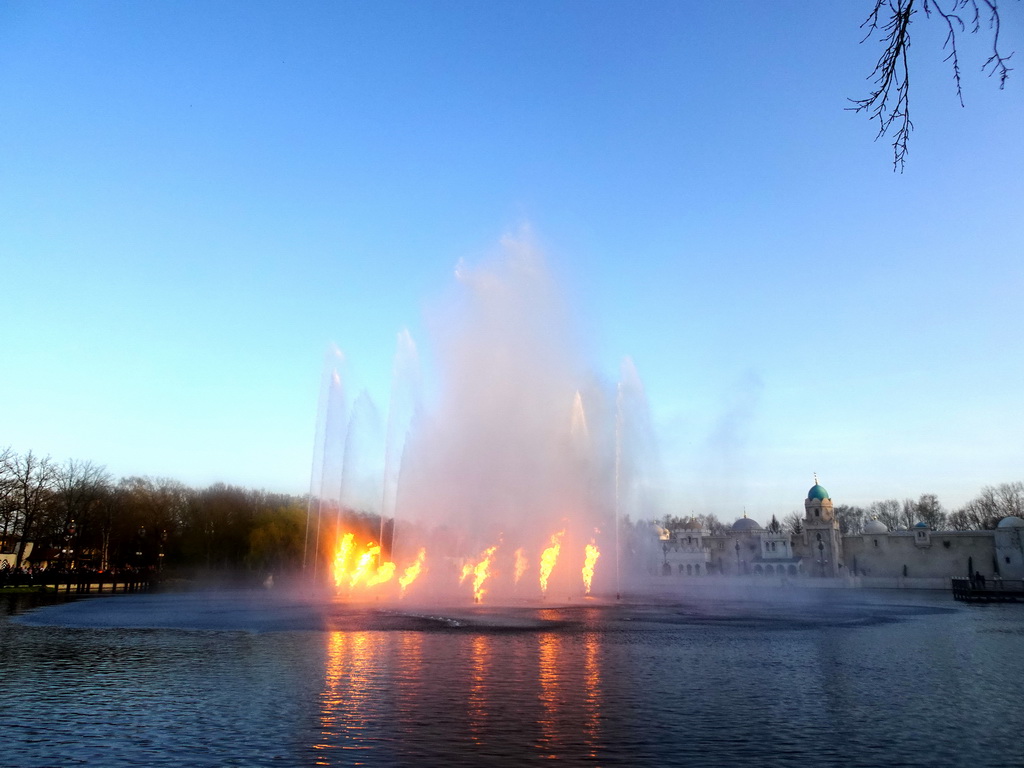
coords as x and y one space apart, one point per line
821 531
818 505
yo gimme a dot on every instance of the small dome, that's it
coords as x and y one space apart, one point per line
746 524
1011 522
817 492
692 525
922 524
874 525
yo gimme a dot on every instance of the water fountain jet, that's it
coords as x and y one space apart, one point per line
519 453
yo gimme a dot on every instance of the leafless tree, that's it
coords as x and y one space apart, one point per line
712 524
886 512
79 488
930 511
888 104
794 523
851 519
32 478
7 506
989 507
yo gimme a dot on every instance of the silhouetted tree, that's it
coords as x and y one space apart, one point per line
712 524
889 102
30 477
887 511
78 487
794 523
851 519
989 507
930 511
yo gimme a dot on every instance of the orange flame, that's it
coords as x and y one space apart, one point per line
352 568
363 564
589 561
339 568
521 565
412 572
548 558
481 572
466 570
384 572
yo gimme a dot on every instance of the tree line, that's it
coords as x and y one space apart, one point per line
983 512
75 514
980 513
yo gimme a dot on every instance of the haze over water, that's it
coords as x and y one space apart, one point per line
514 460
262 679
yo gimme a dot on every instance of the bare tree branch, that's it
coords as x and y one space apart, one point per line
891 76
889 101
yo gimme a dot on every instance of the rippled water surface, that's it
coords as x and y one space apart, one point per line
275 679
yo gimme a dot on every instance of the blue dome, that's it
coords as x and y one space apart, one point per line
874 525
922 524
746 524
817 492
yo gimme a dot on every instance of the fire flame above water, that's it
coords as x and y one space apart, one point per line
548 558
521 565
412 571
355 567
592 554
359 567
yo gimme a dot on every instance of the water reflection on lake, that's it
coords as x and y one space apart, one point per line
248 679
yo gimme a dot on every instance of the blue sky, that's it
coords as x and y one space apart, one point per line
197 198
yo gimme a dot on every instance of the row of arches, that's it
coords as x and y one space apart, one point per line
776 570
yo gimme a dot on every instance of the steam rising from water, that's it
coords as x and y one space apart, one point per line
520 443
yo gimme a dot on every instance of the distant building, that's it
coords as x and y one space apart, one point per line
877 557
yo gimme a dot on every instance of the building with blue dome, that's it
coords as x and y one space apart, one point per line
877 557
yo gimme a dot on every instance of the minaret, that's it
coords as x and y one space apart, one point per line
822 533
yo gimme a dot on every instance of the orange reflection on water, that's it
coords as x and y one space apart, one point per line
569 673
411 684
548 652
592 693
478 704
351 699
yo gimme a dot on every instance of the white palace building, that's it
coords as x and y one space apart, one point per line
919 557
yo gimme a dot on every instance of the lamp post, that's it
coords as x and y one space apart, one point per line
139 547
69 552
160 554
821 557
737 558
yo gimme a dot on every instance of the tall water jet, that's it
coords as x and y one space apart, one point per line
402 406
325 475
518 448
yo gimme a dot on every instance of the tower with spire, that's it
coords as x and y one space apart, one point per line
822 543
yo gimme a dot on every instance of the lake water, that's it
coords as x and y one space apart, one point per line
271 678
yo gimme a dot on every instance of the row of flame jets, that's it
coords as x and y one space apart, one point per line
358 566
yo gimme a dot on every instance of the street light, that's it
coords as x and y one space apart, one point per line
138 550
737 558
68 553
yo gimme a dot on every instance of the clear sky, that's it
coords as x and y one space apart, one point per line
197 198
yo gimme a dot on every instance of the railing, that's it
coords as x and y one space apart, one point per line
987 589
79 581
